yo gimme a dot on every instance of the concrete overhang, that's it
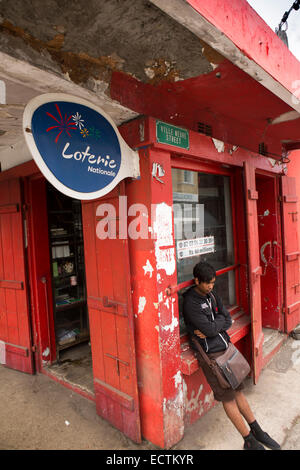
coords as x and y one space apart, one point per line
238 33
20 82
214 67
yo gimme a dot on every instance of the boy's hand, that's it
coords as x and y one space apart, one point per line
198 333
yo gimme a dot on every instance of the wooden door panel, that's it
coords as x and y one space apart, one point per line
111 320
96 340
15 330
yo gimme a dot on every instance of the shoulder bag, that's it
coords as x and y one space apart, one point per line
231 368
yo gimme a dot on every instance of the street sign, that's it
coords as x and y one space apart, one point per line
172 135
77 146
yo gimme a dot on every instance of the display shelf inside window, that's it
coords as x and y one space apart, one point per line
68 274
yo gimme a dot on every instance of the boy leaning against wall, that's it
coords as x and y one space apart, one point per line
207 320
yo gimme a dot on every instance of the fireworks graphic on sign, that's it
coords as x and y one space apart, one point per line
93 132
84 132
63 123
78 121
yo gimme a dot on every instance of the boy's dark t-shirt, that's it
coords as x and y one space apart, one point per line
207 314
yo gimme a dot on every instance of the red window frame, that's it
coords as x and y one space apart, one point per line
183 163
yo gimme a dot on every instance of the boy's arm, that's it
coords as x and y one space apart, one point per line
224 312
200 321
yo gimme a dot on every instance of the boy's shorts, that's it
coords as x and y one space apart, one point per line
220 394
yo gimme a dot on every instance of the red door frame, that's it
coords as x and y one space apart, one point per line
40 270
254 268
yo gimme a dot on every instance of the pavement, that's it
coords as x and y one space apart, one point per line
37 413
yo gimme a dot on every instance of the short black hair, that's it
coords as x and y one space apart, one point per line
204 272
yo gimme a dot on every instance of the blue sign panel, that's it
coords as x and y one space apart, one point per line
79 146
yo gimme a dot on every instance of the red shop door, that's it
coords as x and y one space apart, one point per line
291 253
15 332
254 270
111 319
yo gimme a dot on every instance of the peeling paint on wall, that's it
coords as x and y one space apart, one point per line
233 149
173 409
209 398
172 325
46 352
78 66
165 259
142 303
148 268
193 403
178 379
272 162
213 56
151 52
174 322
161 69
163 224
220 146
163 230
2 353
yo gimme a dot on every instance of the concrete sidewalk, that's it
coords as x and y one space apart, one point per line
38 413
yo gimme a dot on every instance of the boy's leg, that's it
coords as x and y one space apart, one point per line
256 430
232 410
244 407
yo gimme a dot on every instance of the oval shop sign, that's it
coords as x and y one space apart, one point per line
77 146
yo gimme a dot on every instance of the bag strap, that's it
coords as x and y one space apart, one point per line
211 364
212 295
201 351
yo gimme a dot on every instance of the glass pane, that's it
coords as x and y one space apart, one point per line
203 227
225 287
202 220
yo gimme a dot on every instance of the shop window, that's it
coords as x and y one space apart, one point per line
203 228
188 177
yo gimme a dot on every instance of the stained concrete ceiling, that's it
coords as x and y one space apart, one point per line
99 50
74 47
90 38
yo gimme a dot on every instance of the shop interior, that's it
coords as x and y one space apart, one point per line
72 339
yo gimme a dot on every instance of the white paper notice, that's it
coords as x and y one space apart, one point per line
195 247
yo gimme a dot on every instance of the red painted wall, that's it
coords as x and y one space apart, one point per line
236 19
158 361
